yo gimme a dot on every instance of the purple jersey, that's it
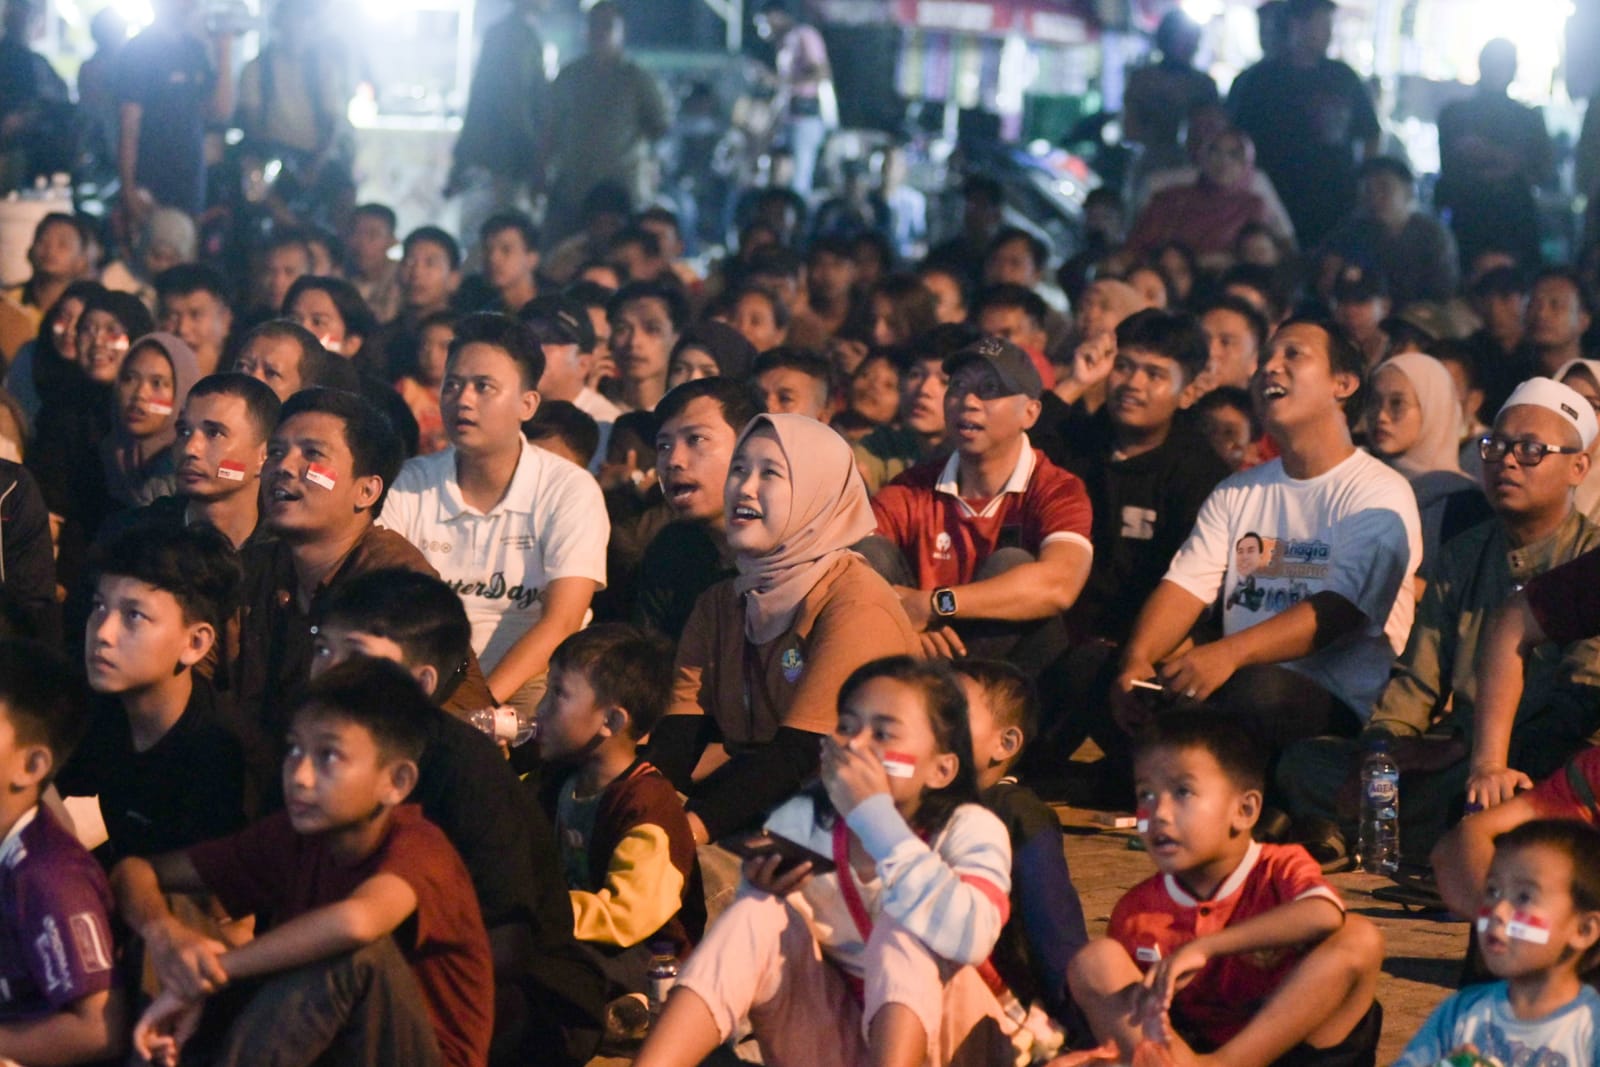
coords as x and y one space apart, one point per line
55 940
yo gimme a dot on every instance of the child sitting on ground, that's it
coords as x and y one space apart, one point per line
1045 929
1537 929
59 1001
169 773
875 958
1236 953
372 941
549 995
626 847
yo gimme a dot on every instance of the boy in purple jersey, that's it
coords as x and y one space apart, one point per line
58 999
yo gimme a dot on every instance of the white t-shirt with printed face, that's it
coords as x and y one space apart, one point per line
1263 542
551 524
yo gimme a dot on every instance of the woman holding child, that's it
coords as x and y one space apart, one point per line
763 655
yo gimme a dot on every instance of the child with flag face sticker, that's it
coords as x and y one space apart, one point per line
1235 953
1538 928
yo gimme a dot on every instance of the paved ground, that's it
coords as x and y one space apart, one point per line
1423 954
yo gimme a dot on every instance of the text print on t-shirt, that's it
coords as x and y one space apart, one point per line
1273 573
522 597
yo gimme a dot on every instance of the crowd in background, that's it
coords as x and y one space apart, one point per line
800 567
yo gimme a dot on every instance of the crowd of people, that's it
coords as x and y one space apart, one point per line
454 628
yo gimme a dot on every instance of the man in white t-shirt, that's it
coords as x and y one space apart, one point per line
566 336
1310 557
519 533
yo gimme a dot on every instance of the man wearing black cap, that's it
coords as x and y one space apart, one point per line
996 536
566 335
1360 305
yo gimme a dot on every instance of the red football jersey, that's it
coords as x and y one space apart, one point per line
1158 916
944 538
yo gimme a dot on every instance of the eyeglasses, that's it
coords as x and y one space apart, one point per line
1396 407
1493 449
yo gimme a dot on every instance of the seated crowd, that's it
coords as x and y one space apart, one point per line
448 651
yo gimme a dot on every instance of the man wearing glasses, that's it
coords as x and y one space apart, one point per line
1532 459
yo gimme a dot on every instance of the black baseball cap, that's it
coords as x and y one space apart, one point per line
1013 365
558 320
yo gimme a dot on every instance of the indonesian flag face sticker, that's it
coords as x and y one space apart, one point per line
317 474
331 346
231 470
1523 926
1143 817
899 765
159 407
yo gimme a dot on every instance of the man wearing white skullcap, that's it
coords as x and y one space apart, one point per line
1534 456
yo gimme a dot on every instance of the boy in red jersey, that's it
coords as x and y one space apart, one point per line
1236 953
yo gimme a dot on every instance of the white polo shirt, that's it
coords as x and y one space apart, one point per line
605 414
551 524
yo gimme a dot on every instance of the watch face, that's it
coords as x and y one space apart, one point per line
944 602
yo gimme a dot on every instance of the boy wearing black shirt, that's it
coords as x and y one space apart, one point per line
169 771
1147 473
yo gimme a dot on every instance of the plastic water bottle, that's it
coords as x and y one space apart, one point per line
663 974
1378 849
506 724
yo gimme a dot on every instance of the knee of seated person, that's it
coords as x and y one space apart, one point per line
1094 963
1359 942
1001 560
885 557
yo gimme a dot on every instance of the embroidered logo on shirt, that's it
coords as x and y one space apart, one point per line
1147 953
942 546
1138 524
93 954
792 664
520 542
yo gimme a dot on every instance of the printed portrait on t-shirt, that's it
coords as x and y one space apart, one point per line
1272 574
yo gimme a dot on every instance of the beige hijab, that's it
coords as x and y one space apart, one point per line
1439 446
830 513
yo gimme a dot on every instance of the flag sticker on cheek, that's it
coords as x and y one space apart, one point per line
1143 825
231 470
158 407
317 474
899 765
1524 926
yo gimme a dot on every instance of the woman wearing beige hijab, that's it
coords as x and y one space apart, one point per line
1414 425
763 655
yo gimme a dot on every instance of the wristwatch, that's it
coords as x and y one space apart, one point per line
944 602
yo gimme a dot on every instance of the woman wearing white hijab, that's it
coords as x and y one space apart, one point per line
1414 416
